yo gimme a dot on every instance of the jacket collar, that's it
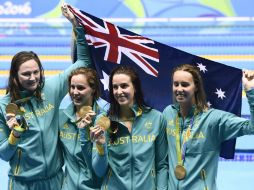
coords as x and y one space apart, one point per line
192 111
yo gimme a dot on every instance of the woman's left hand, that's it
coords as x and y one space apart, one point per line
97 134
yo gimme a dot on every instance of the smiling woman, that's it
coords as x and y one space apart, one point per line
131 151
83 87
29 75
195 131
123 90
84 90
33 152
26 73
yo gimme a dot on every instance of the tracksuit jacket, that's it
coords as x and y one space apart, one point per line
35 158
210 129
137 159
78 172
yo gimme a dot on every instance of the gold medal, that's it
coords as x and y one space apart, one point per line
180 172
12 108
103 122
84 110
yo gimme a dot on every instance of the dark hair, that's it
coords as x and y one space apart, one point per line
91 77
200 95
114 109
14 86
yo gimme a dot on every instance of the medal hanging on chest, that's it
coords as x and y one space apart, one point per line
180 170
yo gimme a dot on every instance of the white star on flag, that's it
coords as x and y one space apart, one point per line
202 67
209 104
105 80
220 93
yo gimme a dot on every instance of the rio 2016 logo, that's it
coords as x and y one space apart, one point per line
8 8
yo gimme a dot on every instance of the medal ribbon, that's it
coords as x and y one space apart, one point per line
181 153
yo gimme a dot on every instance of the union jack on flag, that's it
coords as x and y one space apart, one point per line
110 45
117 43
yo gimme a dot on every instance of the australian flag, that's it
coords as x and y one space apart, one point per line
111 46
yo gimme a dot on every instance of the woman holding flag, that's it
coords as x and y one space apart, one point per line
195 131
84 90
29 120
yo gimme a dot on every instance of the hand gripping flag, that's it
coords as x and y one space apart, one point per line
111 46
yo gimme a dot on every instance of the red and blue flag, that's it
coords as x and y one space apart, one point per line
111 46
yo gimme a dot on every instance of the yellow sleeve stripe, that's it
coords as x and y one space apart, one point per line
12 139
100 150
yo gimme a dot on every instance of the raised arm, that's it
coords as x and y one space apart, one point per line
78 36
69 15
248 84
226 125
59 83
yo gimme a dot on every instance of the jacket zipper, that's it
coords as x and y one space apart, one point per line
153 175
10 184
109 175
76 139
131 160
16 172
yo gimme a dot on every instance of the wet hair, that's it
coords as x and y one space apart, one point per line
91 77
114 109
200 95
14 87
